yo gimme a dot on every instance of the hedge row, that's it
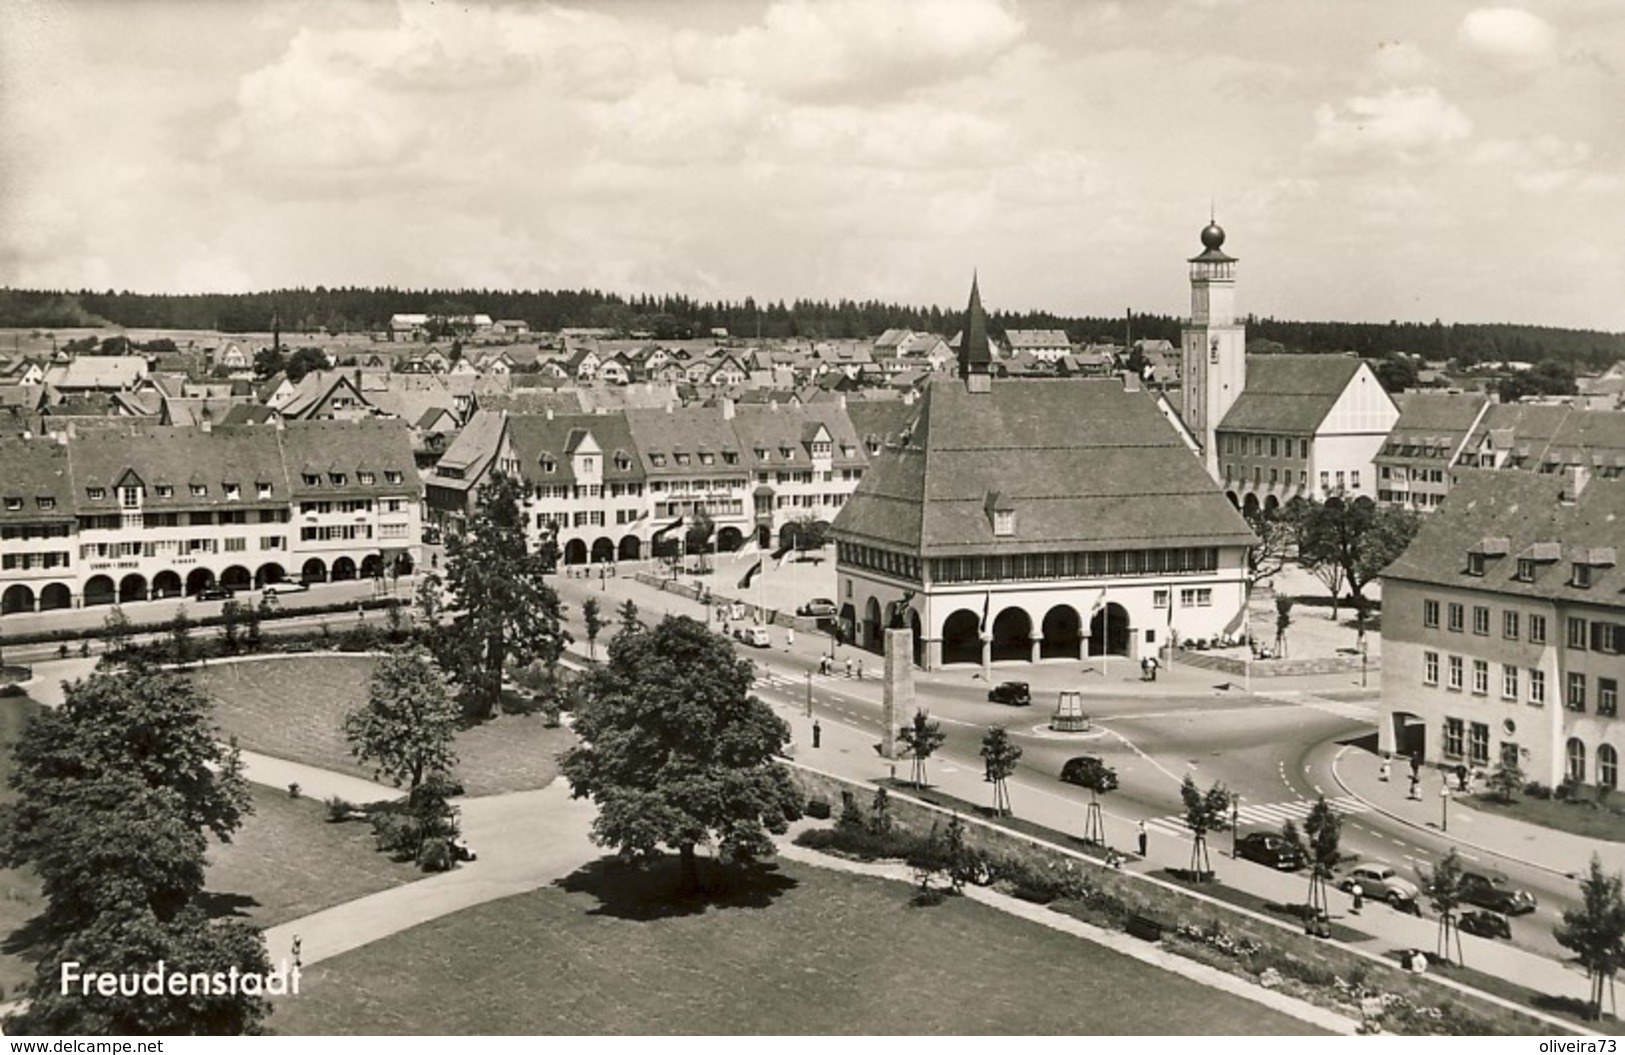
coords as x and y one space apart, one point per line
269 615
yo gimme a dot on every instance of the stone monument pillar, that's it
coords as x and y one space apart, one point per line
898 684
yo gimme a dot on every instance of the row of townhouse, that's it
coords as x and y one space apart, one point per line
1504 629
137 512
602 485
1439 434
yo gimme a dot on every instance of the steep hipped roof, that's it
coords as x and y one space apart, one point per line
1085 464
1289 393
33 470
1528 511
535 437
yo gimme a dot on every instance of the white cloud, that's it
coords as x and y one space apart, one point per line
1400 61
1510 36
854 49
1407 123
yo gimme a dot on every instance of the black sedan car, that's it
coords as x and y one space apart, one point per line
1485 925
1495 893
1014 693
214 593
1089 771
1269 849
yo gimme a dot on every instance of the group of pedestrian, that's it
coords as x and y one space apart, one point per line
1148 668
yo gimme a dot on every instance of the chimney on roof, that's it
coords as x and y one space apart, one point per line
1131 381
549 413
727 409
1575 478
206 425
840 400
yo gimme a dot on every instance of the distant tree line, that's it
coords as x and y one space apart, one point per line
669 317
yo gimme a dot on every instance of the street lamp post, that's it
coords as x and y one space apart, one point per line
1362 662
809 694
1235 822
1444 807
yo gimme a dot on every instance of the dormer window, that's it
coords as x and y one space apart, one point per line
707 458
262 490
787 453
392 476
234 492
311 479
821 448
623 463
365 479
129 497
1004 522
199 490
1526 570
13 504
1475 564
96 494
337 479
1582 576
46 502
657 460
549 465
682 459
730 457
762 455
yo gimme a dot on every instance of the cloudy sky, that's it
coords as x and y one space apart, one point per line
1372 160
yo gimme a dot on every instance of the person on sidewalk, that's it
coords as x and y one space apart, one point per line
1145 668
860 668
849 666
1154 665
1383 770
789 638
1358 894
1140 833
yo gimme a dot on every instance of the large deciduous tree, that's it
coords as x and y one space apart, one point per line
676 752
115 792
506 611
1595 931
1353 541
409 723
1276 532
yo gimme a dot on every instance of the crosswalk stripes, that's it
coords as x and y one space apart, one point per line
789 681
1261 815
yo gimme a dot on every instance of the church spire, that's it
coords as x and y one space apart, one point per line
975 356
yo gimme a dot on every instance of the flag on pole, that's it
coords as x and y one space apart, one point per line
782 554
663 532
1232 627
755 570
1100 602
987 603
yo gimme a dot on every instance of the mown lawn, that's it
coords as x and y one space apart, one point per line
294 709
1585 818
287 861
806 951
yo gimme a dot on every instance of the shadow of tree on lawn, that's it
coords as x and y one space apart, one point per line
649 891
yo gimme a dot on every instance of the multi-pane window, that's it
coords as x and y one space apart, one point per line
1607 696
1577 633
1198 598
1430 668
1457 617
1481 620
1478 744
1537 630
1537 687
1455 673
1576 700
1509 682
1453 736
1481 677
1509 625
1430 613
1607 767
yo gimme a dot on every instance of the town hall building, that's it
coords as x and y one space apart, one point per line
1025 520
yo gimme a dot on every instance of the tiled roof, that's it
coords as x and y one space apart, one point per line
662 435
1086 464
774 428
1022 340
31 470
535 437
1526 509
1289 393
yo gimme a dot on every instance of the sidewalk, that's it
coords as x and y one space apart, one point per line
1550 850
850 752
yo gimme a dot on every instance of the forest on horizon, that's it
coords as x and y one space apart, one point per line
356 309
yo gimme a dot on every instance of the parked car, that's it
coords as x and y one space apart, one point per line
1087 770
1485 924
1493 892
1379 882
214 593
1269 849
818 608
271 589
1014 693
755 636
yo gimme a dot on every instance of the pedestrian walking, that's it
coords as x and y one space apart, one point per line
1358 894
1140 833
1154 664
849 666
1382 771
1416 785
1145 668
818 733
789 638
860 668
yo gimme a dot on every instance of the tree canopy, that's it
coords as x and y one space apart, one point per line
1356 538
408 725
1595 930
675 750
506 611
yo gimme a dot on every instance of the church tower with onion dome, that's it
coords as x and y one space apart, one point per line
1214 356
